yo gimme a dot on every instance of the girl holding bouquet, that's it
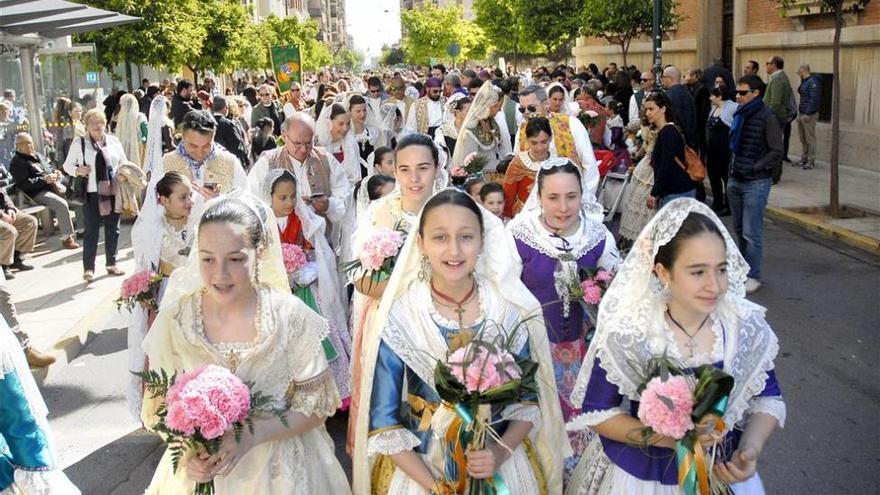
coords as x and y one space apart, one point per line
161 238
231 306
454 280
418 176
555 240
679 296
316 282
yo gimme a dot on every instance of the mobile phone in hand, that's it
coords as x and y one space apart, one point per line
213 186
317 195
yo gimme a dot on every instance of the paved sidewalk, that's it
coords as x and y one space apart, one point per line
55 307
801 194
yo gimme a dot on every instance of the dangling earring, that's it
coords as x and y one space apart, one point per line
256 280
424 269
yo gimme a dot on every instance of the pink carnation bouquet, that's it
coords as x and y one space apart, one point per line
142 287
682 404
377 254
590 288
474 163
201 406
478 378
294 257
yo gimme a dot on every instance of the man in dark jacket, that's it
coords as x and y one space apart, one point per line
183 102
810 91
756 146
682 104
34 176
229 134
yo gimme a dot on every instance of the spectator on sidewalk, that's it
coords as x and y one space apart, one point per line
97 157
756 144
682 103
810 91
718 147
229 135
35 358
716 70
646 82
671 181
694 81
18 233
34 176
778 96
751 68
267 107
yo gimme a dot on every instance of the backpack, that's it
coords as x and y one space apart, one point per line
692 164
791 107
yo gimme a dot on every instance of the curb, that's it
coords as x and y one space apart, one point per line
70 344
810 223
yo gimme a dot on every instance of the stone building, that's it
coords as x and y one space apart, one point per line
737 31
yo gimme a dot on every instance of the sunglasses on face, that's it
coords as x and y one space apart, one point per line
374 91
529 109
743 92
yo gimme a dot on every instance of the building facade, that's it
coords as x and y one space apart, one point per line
736 31
330 16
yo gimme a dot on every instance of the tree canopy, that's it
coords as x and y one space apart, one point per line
503 29
429 30
621 21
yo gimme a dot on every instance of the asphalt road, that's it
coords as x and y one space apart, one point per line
823 302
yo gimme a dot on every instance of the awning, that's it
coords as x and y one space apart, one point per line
56 18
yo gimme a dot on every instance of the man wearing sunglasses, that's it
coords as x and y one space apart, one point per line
375 96
646 85
428 114
756 144
267 107
397 90
570 137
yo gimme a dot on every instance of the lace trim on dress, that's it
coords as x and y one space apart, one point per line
523 412
774 406
392 442
713 356
593 418
591 234
317 396
448 324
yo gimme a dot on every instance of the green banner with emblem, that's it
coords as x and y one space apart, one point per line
286 65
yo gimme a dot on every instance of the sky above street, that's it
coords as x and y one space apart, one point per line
373 23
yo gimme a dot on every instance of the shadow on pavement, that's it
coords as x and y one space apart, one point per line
65 399
112 340
124 466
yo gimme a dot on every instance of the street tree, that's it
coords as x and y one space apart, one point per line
392 55
622 21
169 34
224 46
839 9
553 24
503 29
348 59
291 31
430 30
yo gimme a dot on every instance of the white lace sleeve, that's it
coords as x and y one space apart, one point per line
774 406
392 441
593 418
523 412
53 482
317 396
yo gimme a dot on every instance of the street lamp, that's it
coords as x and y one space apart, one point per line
658 41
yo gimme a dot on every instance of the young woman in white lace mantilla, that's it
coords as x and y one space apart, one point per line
416 327
231 306
679 293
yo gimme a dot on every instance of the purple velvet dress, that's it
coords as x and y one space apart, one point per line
567 335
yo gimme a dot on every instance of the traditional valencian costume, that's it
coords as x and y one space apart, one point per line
550 264
399 361
285 361
632 330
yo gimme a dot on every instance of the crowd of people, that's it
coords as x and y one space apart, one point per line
494 180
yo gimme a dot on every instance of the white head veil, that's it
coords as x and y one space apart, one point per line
313 230
405 305
187 279
590 208
128 129
631 327
486 97
352 161
153 153
569 107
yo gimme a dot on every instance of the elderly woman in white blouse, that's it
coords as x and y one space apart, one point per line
97 156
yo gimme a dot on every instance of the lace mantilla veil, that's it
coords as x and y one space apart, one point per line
497 272
631 327
352 161
487 96
187 279
589 206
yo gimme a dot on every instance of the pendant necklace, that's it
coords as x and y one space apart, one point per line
456 305
690 344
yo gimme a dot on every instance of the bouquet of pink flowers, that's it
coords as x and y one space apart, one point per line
377 254
590 118
201 406
682 404
473 163
142 287
477 376
590 287
294 257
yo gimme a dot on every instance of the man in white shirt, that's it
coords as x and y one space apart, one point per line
375 97
320 179
427 115
635 101
533 101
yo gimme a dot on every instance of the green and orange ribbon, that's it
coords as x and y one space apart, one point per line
693 474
